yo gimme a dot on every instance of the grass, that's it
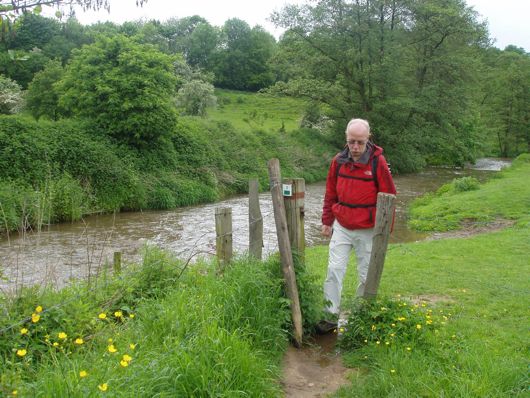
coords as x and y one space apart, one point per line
479 284
257 111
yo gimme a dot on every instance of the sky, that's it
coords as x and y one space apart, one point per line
507 19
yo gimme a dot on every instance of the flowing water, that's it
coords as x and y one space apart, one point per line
60 252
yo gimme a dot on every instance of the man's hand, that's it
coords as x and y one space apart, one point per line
326 230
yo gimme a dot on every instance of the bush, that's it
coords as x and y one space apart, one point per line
466 184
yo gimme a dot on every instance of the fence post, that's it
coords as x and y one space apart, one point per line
116 266
223 231
255 220
294 199
383 222
285 249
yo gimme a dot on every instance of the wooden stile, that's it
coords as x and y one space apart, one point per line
294 210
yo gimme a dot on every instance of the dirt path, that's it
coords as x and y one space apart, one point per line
315 370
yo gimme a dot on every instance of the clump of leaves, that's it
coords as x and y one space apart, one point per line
389 321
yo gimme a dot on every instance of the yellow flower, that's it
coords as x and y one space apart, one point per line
127 358
392 334
341 330
110 340
401 318
118 314
55 344
79 341
35 318
23 331
377 342
62 335
83 373
418 326
373 327
393 325
111 348
387 343
21 352
14 393
132 346
38 309
124 363
366 341
392 370
429 322
131 316
103 387
102 316
409 349
423 304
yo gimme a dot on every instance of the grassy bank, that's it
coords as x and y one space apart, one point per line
453 323
60 171
158 330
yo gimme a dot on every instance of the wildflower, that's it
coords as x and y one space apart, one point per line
409 349
111 348
423 304
132 346
35 318
393 325
445 318
383 308
378 342
103 387
110 340
55 344
418 326
401 318
427 316
429 322
387 343
62 335
392 334
23 331
83 373
366 341
341 330
38 310
22 352
118 314
392 370
14 393
127 358
373 327
124 363
102 316
131 316
79 341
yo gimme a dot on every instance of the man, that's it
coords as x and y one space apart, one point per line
348 215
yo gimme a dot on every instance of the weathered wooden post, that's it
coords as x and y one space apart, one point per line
285 249
116 265
255 221
294 199
223 231
383 222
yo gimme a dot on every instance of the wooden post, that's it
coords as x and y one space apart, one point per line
223 231
285 249
116 266
294 199
383 222
255 220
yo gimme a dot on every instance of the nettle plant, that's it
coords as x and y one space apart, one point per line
388 321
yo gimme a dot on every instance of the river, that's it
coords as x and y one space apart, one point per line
64 251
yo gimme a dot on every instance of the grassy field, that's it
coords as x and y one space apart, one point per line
468 296
246 110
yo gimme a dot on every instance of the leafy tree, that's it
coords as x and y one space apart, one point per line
404 65
42 97
195 97
126 88
11 99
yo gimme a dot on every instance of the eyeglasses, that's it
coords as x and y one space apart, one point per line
358 142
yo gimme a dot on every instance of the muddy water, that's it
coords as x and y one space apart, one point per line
75 250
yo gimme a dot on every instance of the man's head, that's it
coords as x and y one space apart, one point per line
357 136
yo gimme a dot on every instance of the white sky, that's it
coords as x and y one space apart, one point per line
508 19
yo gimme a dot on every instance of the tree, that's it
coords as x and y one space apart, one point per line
11 99
42 97
124 87
404 65
195 97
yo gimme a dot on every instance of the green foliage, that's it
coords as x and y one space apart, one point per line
42 97
124 87
387 321
466 184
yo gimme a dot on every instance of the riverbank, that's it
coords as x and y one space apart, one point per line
162 328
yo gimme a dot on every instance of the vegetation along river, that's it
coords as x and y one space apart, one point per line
60 252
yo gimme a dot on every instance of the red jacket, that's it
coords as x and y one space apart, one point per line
351 192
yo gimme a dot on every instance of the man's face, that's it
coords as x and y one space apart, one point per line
357 137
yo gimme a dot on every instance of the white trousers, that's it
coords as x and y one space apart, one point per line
342 242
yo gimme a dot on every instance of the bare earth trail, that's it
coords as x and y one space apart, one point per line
316 370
